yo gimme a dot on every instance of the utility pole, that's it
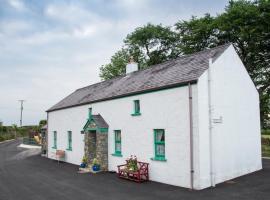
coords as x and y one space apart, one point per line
21 111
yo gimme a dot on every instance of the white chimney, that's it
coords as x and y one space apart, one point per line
131 66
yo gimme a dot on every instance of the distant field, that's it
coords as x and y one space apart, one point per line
266 136
266 148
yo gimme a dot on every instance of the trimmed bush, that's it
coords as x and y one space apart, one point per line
266 141
266 132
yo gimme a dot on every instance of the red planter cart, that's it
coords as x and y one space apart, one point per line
140 175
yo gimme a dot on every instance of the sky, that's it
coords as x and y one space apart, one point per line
49 48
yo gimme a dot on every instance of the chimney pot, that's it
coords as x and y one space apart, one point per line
132 66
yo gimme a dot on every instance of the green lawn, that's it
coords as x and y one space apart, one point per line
265 148
266 136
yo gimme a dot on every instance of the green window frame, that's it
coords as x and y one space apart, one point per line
54 140
137 108
117 143
159 144
69 138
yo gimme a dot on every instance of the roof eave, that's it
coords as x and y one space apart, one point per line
129 94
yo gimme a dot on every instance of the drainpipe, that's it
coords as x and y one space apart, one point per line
47 135
191 137
210 107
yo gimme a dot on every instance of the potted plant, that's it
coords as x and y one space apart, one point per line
132 163
84 162
95 165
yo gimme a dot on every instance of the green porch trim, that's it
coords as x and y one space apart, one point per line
69 149
99 130
103 130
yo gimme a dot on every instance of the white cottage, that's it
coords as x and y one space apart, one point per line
195 119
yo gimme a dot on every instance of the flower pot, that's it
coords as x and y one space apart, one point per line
83 165
96 168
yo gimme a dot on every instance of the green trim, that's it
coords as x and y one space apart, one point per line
69 146
54 140
136 114
159 159
117 155
156 143
117 141
131 94
98 129
136 108
103 130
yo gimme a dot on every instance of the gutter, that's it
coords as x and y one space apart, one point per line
127 94
191 136
210 107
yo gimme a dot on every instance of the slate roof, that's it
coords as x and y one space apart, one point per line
182 70
100 122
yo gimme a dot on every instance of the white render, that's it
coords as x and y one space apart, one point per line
236 140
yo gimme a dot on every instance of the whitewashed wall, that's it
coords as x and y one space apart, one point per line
166 109
236 141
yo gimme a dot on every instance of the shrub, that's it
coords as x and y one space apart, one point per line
266 132
266 141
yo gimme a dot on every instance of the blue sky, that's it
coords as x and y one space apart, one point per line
49 48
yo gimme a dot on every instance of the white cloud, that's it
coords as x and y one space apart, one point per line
17 4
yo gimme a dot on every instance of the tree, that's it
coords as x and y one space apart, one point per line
155 43
15 130
244 23
197 34
42 122
149 45
117 65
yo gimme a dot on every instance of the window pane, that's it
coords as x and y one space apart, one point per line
117 135
118 147
160 136
137 106
160 149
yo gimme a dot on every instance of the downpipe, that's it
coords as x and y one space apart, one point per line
210 107
191 137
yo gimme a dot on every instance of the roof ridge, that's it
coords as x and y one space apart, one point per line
153 66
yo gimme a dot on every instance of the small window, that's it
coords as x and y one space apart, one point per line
54 140
117 142
159 139
89 113
69 146
137 109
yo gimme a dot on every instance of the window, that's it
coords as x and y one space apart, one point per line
117 143
159 140
54 140
137 110
69 147
89 113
